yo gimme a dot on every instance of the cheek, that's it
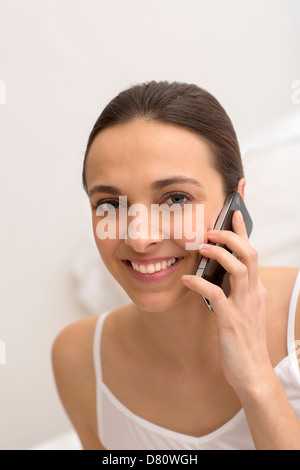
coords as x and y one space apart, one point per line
107 250
197 221
212 212
189 229
106 247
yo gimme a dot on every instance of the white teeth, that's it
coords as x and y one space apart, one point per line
151 268
164 264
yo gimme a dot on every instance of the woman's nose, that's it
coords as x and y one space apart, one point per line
142 231
141 245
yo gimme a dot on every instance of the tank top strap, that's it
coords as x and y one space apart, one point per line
97 345
291 340
291 345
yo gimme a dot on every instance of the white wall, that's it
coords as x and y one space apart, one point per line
61 62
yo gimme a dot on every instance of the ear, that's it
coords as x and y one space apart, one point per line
241 187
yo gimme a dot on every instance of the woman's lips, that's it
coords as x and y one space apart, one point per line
160 268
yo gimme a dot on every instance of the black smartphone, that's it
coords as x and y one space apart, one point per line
210 269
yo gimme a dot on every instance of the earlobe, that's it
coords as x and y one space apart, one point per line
241 187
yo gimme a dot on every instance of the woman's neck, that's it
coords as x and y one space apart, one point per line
184 333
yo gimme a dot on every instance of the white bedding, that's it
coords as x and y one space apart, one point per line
68 440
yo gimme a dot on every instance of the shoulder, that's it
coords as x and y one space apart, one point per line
74 371
273 273
73 368
72 347
72 350
279 283
72 358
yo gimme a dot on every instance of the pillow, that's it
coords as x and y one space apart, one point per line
272 195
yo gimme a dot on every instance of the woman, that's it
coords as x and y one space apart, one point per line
164 372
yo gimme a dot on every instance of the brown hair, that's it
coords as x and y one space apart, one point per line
185 105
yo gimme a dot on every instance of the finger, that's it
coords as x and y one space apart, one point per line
250 255
213 293
239 226
241 247
239 283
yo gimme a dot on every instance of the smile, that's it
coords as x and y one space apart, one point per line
152 270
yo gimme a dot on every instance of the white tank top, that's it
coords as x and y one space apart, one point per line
119 428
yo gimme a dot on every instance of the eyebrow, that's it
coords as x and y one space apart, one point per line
159 184
104 188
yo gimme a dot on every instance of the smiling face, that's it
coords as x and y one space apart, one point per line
151 163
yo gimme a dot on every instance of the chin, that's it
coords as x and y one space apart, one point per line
161 301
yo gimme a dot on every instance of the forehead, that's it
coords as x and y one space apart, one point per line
146 148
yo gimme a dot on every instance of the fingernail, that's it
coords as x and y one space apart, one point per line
186 277
204 246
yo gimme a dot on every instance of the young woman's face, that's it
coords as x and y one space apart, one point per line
138 160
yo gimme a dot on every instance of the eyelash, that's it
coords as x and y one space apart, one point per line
179 193
166 197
